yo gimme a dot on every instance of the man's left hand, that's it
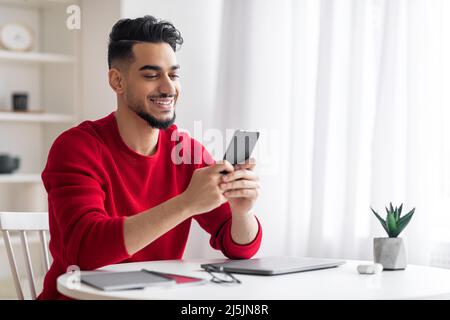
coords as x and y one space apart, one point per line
241 187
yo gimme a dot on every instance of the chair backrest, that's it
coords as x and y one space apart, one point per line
22 222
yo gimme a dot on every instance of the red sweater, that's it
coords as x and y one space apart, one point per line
94 180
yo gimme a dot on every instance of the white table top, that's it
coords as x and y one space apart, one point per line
343 282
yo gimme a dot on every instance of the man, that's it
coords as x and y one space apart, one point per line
114 192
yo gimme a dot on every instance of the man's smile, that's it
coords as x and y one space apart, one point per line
163 103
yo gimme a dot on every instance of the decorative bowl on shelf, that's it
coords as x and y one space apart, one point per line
8 164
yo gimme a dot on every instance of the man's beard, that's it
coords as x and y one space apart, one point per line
138 108
155 123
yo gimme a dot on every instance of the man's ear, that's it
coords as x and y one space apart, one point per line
116 80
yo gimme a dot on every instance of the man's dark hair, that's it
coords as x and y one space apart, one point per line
127 32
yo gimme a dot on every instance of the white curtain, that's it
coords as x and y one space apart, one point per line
349 96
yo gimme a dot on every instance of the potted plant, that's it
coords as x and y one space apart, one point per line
390 252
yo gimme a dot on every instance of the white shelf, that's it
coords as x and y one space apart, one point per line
35 57
34 3
20 178
50 74
36 117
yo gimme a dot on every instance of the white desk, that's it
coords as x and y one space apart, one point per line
343 282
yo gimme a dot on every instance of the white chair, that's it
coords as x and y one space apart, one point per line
22 222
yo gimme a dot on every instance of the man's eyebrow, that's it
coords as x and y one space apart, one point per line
157 68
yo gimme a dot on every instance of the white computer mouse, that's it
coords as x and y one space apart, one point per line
370 268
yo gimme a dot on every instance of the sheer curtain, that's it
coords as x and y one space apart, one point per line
349 96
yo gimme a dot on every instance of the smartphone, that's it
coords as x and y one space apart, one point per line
241 146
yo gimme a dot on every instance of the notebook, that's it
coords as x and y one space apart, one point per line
108 280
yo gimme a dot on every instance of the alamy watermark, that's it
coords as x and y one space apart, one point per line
73 21
215 143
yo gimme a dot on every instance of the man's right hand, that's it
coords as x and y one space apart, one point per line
203 193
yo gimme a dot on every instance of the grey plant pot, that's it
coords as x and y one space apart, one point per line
390 252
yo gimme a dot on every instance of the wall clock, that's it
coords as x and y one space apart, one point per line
16 37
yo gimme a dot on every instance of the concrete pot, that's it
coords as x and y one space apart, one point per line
390 252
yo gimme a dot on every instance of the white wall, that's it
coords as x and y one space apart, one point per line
97 19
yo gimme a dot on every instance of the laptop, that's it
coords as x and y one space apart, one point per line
270 266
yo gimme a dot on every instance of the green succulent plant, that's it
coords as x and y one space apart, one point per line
394 223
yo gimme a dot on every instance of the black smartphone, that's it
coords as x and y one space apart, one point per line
241 146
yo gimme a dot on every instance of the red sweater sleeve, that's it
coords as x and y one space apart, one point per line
73 180
218 223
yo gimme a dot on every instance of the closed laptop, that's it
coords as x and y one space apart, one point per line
273 265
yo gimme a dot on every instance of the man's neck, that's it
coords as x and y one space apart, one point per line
136 132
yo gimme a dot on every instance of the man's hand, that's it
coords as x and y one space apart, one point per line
203 193
240 187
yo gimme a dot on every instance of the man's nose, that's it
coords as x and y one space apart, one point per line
167 86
